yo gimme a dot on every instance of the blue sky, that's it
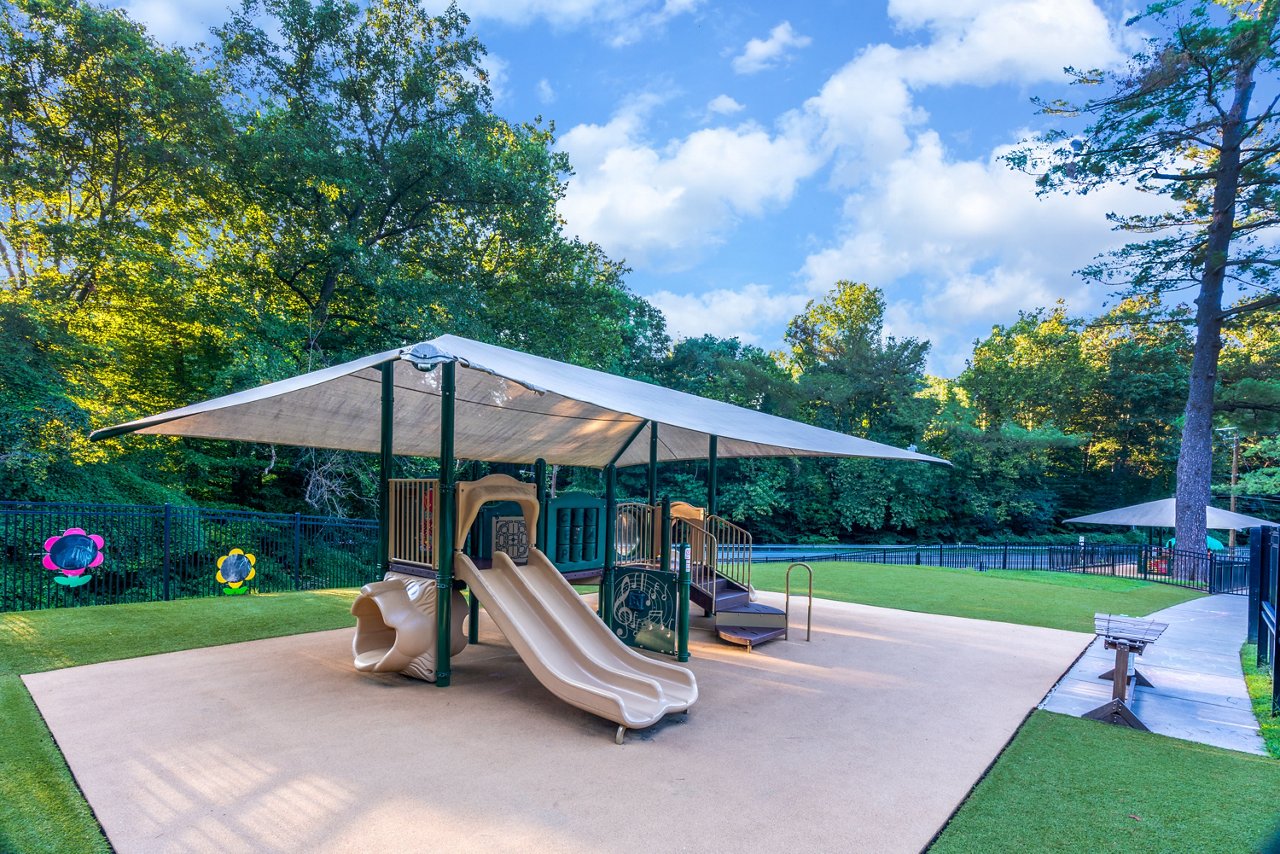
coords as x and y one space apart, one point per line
743 156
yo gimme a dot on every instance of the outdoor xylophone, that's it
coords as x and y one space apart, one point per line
1128 636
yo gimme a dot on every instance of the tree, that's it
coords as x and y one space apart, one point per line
1181 122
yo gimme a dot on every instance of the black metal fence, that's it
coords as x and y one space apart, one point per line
152 553
1214 573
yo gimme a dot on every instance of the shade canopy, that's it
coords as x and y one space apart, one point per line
1160 514
510 407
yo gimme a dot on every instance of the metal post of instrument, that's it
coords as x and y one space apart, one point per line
448 500
682 615
712 460
386 463
808 626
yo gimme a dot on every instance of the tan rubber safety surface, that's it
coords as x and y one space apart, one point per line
865 739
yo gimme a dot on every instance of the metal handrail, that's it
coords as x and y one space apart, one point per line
701 549
733 557
808 631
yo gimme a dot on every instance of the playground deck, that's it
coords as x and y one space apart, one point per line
278 745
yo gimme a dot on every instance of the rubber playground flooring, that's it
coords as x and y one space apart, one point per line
867 738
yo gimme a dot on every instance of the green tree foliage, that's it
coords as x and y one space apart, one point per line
1182 122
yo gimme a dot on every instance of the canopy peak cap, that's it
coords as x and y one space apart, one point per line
425 356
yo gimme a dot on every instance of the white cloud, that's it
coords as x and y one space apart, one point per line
499 76
866 112
659 204
762 54
976 236
723 105
624 21
546 94
741 313
177 23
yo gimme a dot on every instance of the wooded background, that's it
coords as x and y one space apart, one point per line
323 181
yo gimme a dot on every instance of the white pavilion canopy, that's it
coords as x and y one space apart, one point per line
1160 514
510 407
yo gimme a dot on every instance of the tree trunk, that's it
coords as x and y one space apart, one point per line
1195 459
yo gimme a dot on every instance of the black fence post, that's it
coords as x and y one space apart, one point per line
1004 559
168 551
297 551
1254 581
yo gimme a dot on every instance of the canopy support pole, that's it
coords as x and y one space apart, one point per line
386 462
610 543
653 463
712 460
448 502
540 478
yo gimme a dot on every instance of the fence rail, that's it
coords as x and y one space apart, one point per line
1225 573
153 553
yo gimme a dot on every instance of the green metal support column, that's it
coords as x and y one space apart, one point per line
712 461
448 506
540 477
386 463
610 543
653 463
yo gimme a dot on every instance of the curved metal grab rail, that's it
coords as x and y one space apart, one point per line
808 630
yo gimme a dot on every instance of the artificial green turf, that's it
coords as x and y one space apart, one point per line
1056 600
1073 785
41 809
1259 685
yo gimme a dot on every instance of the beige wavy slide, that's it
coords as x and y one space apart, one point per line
570 651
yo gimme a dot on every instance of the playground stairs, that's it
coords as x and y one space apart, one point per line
738 620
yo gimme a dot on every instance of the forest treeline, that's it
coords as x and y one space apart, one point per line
325 180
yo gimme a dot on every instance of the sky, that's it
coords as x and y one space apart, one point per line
741 157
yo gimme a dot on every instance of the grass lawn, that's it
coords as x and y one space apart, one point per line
1056 600
1259 684
1071 785
41 809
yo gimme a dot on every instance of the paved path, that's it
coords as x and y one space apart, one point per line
1198 694
279 745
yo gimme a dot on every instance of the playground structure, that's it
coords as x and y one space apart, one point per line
452 398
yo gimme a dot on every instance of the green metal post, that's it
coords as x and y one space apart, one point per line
682 615
712 460
610 543
448 505
653 463
664 559
386 463
473 618
540 476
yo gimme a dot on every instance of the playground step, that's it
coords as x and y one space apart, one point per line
751 624
752 615
727 595
748 636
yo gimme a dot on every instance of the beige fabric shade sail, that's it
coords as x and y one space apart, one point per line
1160 514
510 407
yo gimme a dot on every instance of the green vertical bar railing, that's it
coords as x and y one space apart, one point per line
297 551
385 459
448 497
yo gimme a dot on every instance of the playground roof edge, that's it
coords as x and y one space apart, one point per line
510 407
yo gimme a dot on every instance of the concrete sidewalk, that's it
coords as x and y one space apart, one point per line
1199 692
